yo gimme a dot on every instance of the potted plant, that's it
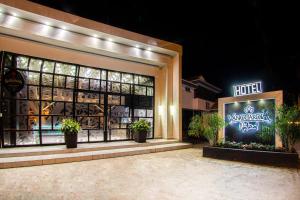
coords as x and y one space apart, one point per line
140 129
70 128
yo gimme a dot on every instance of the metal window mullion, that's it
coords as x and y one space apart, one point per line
40 102
1 99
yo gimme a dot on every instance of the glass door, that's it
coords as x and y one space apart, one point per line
89 112
119 117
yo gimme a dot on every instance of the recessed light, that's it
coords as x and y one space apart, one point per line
110 39
95 35
149 49
63 27
14 14
137 46
47 23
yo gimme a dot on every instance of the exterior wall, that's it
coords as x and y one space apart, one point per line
187 97
190 102
200 104
32 38
277 95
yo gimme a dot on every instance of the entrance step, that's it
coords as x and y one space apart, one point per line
26 161
61 149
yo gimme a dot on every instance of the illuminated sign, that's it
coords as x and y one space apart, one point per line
245 120
249 120
247 89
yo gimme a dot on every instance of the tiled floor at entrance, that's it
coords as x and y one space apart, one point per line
182 174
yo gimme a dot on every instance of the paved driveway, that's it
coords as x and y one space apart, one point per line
182 174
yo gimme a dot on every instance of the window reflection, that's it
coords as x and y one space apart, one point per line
49 91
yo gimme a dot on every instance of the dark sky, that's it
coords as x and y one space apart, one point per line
226 41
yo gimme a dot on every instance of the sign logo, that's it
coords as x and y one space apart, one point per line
249 120
247 89
13 81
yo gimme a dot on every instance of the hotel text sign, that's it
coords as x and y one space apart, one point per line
247 89
249 120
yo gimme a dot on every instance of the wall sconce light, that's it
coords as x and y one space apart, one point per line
172 109
160 110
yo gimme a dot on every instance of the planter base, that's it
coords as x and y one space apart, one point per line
281 159
71 140
140 137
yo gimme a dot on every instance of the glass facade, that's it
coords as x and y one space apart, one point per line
105 102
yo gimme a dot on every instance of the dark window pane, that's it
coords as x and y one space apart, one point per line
89 72
33 78
145 81
22 62
83 83
65 69
88 97
52 137
70 82
125 88
62 94
46 93
149 91
139 90
8 60
35 64
95 85
59 81
27 137
33 92
48 66
113 99
46 122
114 76
47 79
127 78
82 109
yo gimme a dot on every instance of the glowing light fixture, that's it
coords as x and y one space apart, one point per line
95 35
47 23
149 49
110 39
14 14
64 28
137 46
160 110
172 109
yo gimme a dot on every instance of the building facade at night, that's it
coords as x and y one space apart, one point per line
198 96
56 65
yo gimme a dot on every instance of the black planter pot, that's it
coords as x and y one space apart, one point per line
71 140
140 137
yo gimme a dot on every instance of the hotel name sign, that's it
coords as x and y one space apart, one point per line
249 120
247 89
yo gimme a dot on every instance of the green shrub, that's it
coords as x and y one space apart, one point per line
195 127
251 146
267 134
140 126
287 124
70 126
206 125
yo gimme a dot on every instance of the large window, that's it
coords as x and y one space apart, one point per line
105 102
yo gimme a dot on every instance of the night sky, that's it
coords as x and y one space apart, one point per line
225 41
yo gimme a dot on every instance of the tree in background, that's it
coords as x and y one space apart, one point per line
206 125
288 125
